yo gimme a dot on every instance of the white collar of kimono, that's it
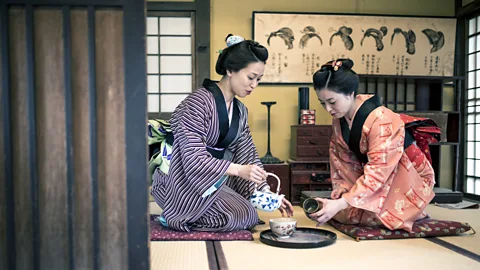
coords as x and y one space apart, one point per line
230 112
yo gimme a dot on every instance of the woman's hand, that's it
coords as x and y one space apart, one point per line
286 208
337 193
252 173
329 210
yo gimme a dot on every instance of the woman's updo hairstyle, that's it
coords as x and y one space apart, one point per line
338 76
238 54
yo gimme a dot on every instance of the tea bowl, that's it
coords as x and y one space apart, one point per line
283 227
310 206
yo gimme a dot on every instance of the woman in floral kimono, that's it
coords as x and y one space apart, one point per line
380 176
214 166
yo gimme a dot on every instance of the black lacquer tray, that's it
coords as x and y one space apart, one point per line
302 238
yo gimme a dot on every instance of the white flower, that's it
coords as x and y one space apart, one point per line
359 199
399 204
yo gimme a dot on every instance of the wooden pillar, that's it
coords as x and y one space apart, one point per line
73 166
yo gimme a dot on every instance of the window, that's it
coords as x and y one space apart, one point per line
472 110
170 60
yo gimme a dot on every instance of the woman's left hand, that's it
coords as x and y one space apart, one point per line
329 210
286 208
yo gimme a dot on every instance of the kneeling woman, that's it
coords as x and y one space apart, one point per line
214 166
380 176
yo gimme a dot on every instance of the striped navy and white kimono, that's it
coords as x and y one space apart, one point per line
196 194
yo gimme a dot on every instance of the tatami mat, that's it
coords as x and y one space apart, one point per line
344 254
470 216
178 255
175 255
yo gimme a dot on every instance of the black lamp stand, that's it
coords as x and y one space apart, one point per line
268 158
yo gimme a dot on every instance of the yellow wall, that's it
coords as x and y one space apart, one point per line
231 16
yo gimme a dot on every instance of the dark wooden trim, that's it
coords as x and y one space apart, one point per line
455 248
458 6
212 258
460 68
171 6
351 14
472 197
92 93
221 260
32 133
97 3
387 78
159 66
67 73
136 146
215 255
468 10
202 40
9 237
169 14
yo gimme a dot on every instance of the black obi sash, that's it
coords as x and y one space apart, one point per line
352 137
228 133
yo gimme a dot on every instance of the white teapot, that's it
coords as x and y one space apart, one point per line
267 200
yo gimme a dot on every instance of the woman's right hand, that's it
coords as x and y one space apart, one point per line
252 173
337 193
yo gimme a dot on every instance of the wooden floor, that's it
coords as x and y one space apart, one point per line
344 254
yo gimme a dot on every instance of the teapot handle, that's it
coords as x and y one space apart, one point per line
278 179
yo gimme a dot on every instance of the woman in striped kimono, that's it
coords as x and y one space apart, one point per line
214 166
380 175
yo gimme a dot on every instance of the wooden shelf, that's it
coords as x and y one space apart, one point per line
413 78
445 143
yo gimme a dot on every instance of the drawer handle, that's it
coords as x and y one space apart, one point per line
317 178
313 141
321 152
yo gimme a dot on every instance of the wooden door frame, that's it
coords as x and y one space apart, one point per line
201 10
463 14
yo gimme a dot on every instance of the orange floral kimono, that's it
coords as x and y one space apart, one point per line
388 178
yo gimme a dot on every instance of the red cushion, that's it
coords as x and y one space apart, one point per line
423 228
160 233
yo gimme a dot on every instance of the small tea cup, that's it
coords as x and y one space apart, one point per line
311 206
283 227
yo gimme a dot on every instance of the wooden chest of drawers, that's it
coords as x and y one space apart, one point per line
308 175
310 142
309 163
281 170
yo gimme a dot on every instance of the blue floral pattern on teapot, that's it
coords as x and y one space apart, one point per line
267 200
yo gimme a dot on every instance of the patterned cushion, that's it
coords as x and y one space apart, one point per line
423 228
160 233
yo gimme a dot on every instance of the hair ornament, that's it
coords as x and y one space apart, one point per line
336 65
232 40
